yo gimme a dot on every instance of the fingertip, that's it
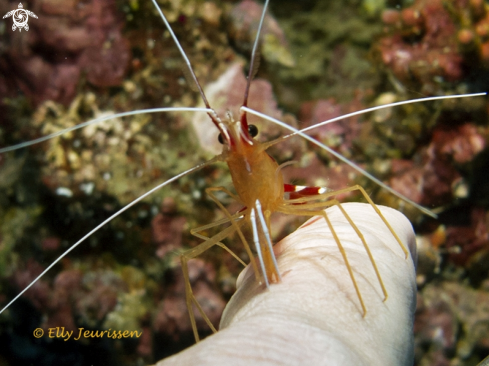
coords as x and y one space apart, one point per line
318 290
314 315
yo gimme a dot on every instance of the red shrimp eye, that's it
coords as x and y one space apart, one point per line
252 130
220 139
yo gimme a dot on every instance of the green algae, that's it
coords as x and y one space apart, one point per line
330 50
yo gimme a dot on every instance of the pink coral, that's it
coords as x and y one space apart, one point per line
434 41
422 45
470 239
172 316
449 146
431 183
69 39
167 228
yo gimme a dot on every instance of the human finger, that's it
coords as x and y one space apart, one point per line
314 315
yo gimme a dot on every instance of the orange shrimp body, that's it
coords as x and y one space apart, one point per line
255 174
256 177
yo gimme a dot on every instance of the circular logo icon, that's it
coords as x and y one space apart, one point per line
38 332
20 17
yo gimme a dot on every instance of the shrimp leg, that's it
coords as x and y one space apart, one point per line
197 233
193 253
295 211
365 195
210 192
304 206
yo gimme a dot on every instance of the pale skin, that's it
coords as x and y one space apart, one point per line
313 315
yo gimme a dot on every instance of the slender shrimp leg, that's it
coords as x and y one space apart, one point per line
197 233
210 192
366 196
305 212
304 206
193 253
263 242
236 220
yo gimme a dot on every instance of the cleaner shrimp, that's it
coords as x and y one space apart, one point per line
123 271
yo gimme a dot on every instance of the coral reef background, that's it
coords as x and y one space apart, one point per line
85 59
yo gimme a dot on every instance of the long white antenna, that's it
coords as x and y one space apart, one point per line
107 221
342 158
267 237
182 52
372 109
253 61
256 240
98 120
345 160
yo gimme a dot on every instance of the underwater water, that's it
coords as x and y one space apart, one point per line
319 59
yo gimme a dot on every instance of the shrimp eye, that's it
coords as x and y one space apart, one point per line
252 130
220 139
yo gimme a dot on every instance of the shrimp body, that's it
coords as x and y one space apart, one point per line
255 174
256 177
